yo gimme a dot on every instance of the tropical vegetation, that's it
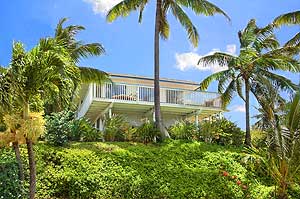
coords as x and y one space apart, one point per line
40 133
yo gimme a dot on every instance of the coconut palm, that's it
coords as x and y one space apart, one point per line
66 37
162 29
291 18
259 57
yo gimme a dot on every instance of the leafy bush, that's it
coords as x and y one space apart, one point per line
10 186
58 127
62 127
131 170
221 131
83 130
184 130
147 132
115 128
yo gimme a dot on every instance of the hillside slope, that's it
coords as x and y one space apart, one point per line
129 170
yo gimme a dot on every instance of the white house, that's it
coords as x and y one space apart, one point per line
133 97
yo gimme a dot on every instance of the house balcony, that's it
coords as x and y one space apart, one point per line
139 99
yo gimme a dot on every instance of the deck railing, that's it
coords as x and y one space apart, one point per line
127 92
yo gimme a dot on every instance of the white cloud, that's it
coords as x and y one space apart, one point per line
189 60
238 108
102 6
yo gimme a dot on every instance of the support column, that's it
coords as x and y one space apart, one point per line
197 120
109 113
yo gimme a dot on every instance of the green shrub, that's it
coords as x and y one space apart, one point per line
221 131
147 132
62 127
82 130
115 128
184 130
10 185
58 127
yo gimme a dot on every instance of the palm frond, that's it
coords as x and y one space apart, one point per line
222 59
290 18
295 41
216 76
229 93
203 7
239 88
92 75
294 114
123 9
185 21
164 27
87 50
282 82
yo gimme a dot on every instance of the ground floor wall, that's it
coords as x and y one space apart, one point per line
138 119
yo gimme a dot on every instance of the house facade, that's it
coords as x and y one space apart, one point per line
133 97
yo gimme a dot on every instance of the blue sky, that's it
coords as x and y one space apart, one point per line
129 45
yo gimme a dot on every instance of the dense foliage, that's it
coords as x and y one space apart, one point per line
10 186
128 170
62 127
220 131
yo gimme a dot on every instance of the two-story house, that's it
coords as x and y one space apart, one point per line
133 97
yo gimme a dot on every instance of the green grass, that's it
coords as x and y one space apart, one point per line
175 169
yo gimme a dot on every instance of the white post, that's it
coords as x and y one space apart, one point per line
109 113
197 120
137 93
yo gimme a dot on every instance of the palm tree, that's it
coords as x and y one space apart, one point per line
292 18
162 29
66 37
259 56
39 73
282 158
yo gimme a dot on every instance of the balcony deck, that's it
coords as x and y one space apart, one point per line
139 99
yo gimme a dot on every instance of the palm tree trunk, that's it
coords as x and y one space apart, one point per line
19 161
247 107
31 158
158 119
283 185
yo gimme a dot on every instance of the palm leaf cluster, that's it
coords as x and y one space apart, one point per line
291 18
202 7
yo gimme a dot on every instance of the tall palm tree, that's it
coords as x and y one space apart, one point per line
291 18
259 56
162 29
66 37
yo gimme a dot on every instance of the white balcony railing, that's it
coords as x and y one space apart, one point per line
127 92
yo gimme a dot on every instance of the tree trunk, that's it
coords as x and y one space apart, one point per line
283 185
247 107
32 166
158 120
19 161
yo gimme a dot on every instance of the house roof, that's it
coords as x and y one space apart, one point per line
150 78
